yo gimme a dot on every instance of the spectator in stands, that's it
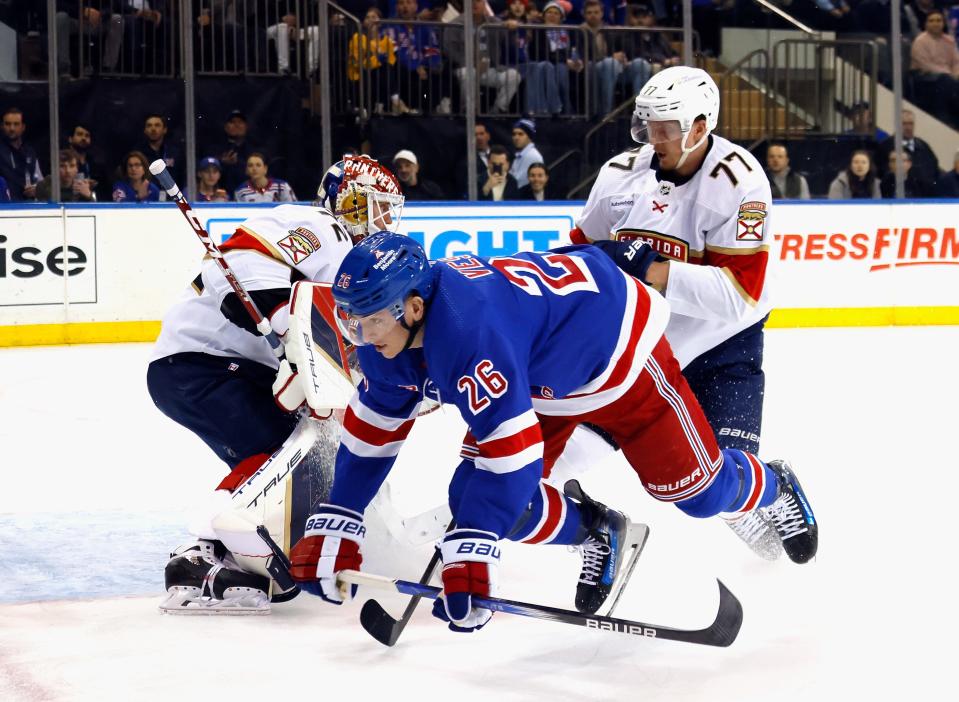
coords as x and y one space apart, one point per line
136 186
482 139
73 19
935 64
259 187
915 184
74 187
924 160
784 182
234 150
156 145
208 188
407 169
18 160
143 25
862 125
231 36
706 21
628 64
653 46
524 131
556 54
282 32
81 141
373 51
4 191
948 185
538 187
916 12
500 184
419 64
505 79
597 55
858 181
835 15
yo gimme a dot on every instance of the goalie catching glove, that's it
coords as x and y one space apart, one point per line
331 543
470 562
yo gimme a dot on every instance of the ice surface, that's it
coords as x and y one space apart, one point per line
97 485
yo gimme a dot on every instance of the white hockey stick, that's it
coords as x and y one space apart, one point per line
159 170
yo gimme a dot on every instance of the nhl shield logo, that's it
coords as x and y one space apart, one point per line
665 188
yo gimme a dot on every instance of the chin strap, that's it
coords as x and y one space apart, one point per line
411 329
689 150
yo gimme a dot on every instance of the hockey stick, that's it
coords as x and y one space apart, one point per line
159 170
279 566
379 624
722 632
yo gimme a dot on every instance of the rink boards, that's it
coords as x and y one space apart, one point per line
104 273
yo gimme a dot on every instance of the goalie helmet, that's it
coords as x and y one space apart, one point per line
362 194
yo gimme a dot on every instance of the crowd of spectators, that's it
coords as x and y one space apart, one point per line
531 55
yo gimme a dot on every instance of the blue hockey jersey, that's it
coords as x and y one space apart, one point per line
505 338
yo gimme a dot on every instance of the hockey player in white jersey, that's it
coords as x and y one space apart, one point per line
688 214
213 373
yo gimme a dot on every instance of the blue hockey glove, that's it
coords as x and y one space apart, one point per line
470 561
632 257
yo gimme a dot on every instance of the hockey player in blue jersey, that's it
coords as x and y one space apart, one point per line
490 335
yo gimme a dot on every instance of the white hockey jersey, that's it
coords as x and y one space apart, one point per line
269 251
712 226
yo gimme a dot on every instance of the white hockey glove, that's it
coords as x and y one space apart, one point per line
470 563
331 543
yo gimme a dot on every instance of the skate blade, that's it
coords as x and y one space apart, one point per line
177 606
636 536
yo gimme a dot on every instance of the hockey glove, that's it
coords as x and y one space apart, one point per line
470 560
632 257
331 543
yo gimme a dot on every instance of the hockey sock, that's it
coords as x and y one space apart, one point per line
551 518
742 484
758 486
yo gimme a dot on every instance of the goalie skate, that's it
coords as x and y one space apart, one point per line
200 581
610 553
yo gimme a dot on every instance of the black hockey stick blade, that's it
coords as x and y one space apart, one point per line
722 632
377 621
279 567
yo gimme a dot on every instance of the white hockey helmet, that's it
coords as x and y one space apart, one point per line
680 93
363 195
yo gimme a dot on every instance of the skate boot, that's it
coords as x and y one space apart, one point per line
792 515
609 551
202 579
759 533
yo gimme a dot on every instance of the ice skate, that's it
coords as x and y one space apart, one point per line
792 515
759 533
200 580
612 547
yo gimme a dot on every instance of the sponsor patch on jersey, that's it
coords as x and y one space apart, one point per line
299 244
752 215
663 244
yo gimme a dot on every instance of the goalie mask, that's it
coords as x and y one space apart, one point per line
363 195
